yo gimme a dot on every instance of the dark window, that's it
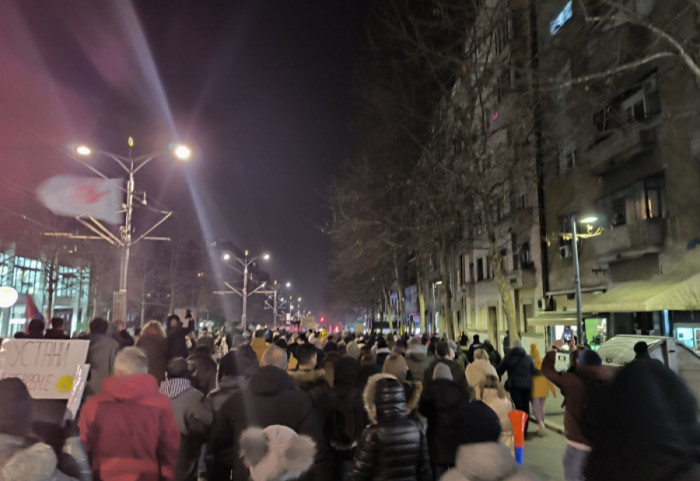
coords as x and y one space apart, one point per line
480 269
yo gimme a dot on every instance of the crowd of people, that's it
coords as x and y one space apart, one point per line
172 403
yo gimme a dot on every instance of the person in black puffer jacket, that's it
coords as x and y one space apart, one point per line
177 342
445 405
393 447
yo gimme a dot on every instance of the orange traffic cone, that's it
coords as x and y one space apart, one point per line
518 419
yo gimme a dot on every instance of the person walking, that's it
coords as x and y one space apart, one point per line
480 456
268 398
481 367
129 429
520 369
56 331
417 359
442 356
443 404
23 457
154 343
101 354
185 401
490 391
541 387
392 447
574 384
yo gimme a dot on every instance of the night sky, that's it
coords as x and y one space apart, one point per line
262 90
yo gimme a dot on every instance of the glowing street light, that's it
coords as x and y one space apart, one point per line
588 220
130 165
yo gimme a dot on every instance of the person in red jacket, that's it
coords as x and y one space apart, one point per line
129 429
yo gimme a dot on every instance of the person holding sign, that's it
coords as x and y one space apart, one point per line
129 428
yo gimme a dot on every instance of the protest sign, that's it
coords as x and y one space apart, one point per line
76 393
46 366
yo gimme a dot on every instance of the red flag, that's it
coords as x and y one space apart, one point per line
31 311
72 195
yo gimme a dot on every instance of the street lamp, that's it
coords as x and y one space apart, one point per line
588 220
245 262
130 165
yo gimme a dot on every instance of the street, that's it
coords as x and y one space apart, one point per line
543 456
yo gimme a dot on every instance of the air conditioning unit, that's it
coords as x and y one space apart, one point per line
565 252
546 304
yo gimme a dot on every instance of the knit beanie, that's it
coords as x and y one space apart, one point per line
588 357
480 424
353 350
395 364
16 407
442 371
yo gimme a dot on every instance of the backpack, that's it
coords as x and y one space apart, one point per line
593 397
346 423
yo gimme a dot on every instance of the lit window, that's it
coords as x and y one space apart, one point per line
564 16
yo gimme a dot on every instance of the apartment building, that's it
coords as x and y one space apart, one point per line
625 146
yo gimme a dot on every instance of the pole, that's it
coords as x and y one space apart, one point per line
274 309
577 283
120 311
245 295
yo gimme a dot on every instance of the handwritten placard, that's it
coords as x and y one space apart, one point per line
46 366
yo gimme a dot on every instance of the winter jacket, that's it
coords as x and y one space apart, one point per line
267 398
486 462
21 460
540 384
101 353
156 348
313 382
382 354
203 369
520 368
573 388
502 407
129 430
647 427
444 405
185 401
477 372
458 375
417 360
393 447
227 386
259 346
56 334
177 342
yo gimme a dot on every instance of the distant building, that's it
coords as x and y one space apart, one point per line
68 292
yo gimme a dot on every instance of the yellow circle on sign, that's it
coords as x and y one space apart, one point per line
64 384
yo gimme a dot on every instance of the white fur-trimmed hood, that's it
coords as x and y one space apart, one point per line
36 462
276 453
370 390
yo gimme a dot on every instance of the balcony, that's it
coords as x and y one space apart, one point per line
616 147
630 241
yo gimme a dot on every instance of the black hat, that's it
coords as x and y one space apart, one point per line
16 407
480 424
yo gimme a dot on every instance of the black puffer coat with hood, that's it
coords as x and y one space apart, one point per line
393 447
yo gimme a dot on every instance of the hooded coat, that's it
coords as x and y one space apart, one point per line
519 367
129 430
444 405
268 397
23 461
393 446
487 461
477 371
417 360
313 382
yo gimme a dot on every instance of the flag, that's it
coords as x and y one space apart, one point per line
72 195
31 311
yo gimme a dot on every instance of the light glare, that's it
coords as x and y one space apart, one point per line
83 150
182 152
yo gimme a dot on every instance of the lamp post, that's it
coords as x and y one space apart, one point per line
245 263
590 219
131 165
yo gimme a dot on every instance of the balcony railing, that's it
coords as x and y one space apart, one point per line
629 241
616 147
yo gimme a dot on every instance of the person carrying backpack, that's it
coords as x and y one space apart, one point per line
582 389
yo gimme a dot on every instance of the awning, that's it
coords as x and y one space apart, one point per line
672 292
553 318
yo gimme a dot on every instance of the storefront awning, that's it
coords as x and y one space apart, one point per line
553 318
672 292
